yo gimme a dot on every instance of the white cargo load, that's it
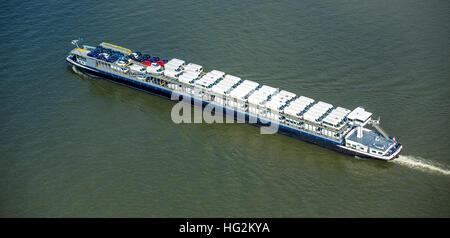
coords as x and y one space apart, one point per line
261 95
191 67
155 69
172 74
187 77
174 64
225 84
316 111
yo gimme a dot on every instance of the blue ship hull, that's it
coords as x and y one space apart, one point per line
166 93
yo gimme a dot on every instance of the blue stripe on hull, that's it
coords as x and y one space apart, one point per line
332 145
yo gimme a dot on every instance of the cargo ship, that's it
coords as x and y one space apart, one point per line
317 122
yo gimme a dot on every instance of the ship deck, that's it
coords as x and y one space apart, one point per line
334 129
371 139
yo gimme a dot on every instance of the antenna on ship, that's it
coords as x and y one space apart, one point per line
376 124
75 42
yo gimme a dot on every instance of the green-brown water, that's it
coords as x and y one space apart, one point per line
76 146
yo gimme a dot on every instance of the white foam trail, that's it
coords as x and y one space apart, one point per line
82 73
76 70
420 163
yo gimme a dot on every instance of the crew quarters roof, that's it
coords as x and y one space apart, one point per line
359 114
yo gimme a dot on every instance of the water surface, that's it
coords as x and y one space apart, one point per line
76 146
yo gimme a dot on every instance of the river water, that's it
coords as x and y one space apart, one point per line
77 146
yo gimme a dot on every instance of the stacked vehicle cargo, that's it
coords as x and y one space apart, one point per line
276 102
209 79
238 97
106 53
221 88
336 118
189 78
259 98
174 68
316 113
195 68
297 107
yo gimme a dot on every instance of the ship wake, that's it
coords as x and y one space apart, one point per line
82 73
77 71
422 164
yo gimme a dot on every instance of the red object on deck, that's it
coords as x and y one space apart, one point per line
148 63
160 62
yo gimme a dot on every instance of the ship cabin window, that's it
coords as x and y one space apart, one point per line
373 151
380 153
